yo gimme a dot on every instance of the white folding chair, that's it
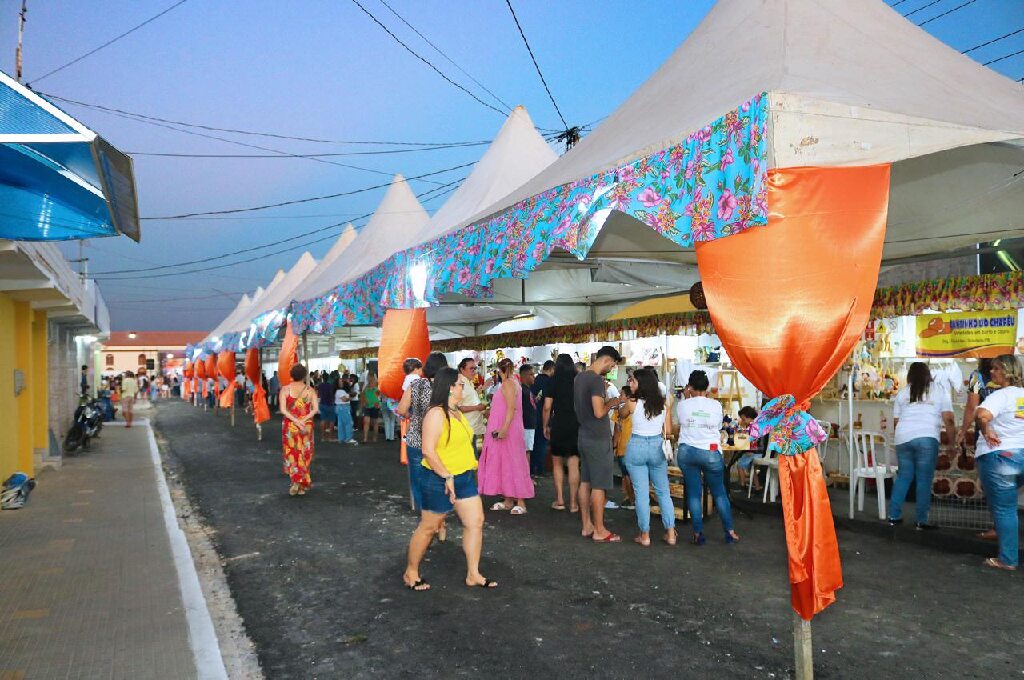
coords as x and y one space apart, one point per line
873 461
823 446
770 463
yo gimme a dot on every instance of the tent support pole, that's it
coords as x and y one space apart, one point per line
803 650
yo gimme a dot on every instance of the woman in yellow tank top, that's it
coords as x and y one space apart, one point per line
448 483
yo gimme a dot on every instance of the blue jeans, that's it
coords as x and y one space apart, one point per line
1002 474
387 416
344 416
646 465
416 470
917 460
693 461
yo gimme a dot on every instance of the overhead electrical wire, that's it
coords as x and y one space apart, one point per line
237 131
426 61
305 200
109 42
948 11
993 40
535 64
309 155
441 52
242 251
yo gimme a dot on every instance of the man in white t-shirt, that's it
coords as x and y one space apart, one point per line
470 404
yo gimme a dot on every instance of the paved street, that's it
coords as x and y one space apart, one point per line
317 582
90 588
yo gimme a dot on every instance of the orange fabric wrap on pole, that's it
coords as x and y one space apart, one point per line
186 381
201 376
226 368
789 301
260 410
404 334
288 357
211 372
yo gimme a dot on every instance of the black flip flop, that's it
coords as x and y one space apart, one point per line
416 586
488 583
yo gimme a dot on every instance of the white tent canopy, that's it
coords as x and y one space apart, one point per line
849 82
279 296
314 281
239 317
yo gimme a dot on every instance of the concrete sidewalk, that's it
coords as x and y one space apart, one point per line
89 586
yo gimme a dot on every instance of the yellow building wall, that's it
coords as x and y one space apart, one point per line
23 401
8 405
40 384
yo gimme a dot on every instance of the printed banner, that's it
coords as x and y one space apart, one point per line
966 334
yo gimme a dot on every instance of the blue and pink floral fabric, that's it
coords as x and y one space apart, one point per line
710 185
790 429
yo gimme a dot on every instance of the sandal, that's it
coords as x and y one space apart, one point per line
732 537
996 564
419 586
499 506
610 538
558 506
640 541
293 490
518 510
697 539
488 584
670 539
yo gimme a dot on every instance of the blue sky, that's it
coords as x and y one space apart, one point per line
322 68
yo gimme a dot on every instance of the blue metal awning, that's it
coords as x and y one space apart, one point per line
59 180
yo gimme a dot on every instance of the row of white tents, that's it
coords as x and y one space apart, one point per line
849 82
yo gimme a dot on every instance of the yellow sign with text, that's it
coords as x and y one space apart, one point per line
966 334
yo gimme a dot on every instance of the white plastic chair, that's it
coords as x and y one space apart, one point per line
823 446
873 461
771 464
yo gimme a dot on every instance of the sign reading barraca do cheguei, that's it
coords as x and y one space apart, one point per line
966 334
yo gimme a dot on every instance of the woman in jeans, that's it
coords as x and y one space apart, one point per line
918 413
413 405
448 482
652 424
1000 455
700 420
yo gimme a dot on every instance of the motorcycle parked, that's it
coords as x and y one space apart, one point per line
88 424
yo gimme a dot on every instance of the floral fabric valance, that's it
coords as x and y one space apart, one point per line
710 185
966 293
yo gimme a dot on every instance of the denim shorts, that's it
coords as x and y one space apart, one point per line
434 497
327 412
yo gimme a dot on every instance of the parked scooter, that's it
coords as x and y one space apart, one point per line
88 424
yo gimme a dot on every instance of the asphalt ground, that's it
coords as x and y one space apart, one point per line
317 581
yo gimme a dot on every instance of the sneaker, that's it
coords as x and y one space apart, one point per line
894 522
627 506
353 442
925 527
611 505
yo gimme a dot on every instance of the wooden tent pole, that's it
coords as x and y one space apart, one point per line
803 650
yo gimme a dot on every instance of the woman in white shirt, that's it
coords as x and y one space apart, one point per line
644 460
700 421
919 412
1000 455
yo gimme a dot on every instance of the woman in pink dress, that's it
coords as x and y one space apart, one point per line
504 464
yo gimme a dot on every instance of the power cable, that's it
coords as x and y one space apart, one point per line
252 248
1005 56
948 11
441 52
304 200
898 2
310 155
425 61
109 42
993 40
933 2
535 64
237 131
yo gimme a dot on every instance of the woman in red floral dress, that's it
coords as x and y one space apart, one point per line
298 404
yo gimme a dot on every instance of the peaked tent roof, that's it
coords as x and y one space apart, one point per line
850 82
279 295
517 153
314 282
